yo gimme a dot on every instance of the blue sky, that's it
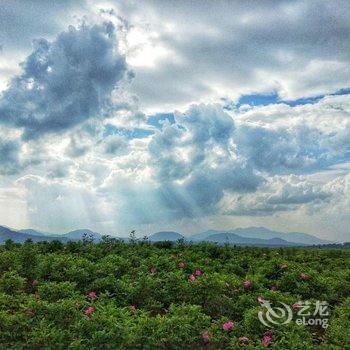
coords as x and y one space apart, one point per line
273 98
153 116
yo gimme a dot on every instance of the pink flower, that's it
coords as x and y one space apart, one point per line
153 269
35 283
198 273
244 340
247 284
206 337
181 265
133 308
296 306
92 295
267 339
89 311
227 326
29 312
192 278
304 276
273 289
261 300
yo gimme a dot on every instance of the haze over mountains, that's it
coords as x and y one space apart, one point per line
261 233
259 236
20 236
250 236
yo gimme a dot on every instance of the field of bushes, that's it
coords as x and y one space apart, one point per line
137 295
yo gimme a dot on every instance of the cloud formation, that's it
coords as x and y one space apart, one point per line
200 166
229 48
79 145
195 161
204 157
9 160
64 82
278 194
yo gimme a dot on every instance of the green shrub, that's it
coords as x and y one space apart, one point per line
12 283
144 299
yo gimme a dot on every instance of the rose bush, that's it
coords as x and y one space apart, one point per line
115 295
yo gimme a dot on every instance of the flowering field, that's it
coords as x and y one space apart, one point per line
114 295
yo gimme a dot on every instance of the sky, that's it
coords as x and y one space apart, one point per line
186 116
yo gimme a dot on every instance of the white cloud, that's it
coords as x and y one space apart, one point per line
200 166
298 50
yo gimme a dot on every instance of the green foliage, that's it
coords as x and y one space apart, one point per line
144 297
337 336
12 283
55 291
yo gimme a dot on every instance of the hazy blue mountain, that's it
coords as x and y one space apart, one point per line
259 236
202 235
264 233
20 237
232 238
37 236
165 236
306 238
7 233
81 233
30 231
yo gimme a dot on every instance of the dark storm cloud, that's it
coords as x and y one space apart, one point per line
9 159
23 21
200 194
64 82
194 161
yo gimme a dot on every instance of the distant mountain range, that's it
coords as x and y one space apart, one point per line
250 236
232 238
259 233
165 236
20 236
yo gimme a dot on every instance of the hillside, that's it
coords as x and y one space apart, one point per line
232 238
81 233
20 236
165 236
36 236
261 233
